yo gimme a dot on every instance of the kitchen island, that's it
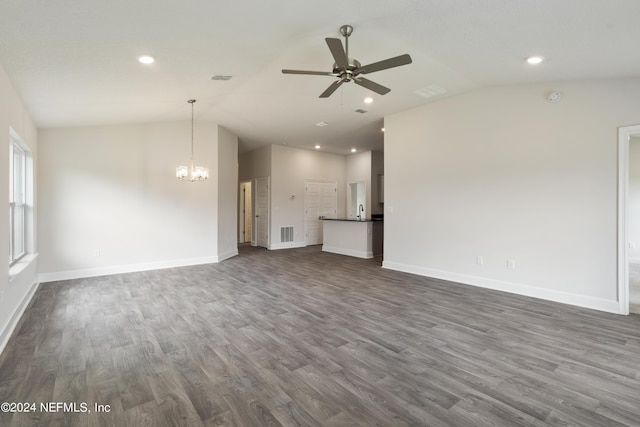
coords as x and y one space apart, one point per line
360 238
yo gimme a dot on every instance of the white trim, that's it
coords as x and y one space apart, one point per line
287 245
6 333
349 252
624 134
610 306
120 269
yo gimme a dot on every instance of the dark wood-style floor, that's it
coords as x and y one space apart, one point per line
301 337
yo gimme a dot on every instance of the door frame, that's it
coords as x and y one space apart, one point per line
254 225
242 212
624 135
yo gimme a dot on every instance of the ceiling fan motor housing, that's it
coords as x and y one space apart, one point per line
348 73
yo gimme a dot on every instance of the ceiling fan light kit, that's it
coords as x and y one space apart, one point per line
348 69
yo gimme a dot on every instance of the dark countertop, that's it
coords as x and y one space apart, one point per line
353 219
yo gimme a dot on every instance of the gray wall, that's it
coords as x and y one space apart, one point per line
503 174
111 202
634 199
15 291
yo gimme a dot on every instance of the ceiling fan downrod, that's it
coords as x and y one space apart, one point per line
346 31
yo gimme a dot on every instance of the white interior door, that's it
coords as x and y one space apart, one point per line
321 200
262 212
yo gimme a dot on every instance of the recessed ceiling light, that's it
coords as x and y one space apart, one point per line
368 100
533 60
353 150
317 147
146 59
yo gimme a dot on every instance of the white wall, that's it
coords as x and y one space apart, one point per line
14 293
227 193
291 167
110 201
503 174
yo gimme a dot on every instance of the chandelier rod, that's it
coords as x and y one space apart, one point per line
191 101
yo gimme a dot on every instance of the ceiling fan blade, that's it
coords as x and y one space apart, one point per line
385 64
379 89
337 51
334 86
313 73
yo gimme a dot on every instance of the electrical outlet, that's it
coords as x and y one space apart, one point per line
96 252
479 260
511 264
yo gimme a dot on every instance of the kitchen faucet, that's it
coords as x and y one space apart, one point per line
360 210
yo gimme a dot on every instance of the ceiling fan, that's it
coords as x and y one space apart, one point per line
348 69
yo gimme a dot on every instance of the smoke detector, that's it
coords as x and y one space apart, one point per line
554 97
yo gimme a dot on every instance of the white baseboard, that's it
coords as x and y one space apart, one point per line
120 269
349 252
5 334
287 245
610 306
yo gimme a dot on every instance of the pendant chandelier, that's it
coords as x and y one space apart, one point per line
192 173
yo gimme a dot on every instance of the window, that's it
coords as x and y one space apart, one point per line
17 199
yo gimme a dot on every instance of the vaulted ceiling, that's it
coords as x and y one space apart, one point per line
74 63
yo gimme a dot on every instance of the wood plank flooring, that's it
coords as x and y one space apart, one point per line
300 337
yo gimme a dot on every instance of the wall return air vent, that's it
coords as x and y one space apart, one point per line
286 234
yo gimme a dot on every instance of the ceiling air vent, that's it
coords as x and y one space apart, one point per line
361 111
430 91
221 77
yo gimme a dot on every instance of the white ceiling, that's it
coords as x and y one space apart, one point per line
74 62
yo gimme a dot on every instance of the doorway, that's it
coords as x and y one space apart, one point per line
357 197
628 243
